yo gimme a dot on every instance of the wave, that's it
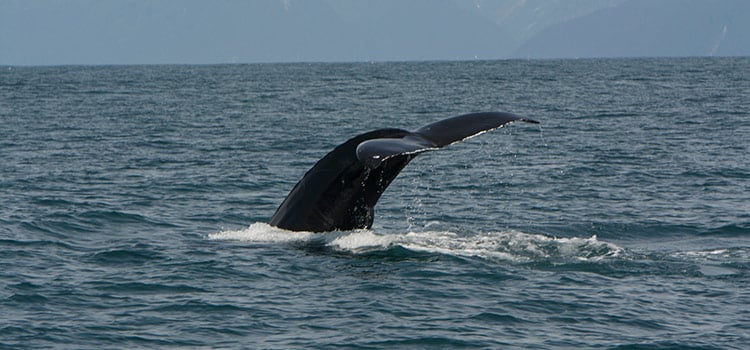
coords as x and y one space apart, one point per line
512 245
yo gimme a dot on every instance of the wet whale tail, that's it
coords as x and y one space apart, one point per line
341 190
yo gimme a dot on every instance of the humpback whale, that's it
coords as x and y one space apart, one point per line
342 188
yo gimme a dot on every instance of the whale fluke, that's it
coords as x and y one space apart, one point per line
341 190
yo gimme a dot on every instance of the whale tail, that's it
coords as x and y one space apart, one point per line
341 189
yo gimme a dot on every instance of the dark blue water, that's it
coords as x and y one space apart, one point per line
133 202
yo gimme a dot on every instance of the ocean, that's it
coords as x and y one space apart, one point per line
134 202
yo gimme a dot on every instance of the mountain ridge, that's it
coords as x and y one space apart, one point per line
52 32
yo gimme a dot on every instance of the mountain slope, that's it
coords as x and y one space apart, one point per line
649 28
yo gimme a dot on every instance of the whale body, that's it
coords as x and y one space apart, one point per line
342 188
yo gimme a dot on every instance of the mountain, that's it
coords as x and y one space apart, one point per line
52 32
649 28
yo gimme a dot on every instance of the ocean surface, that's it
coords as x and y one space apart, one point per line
134 202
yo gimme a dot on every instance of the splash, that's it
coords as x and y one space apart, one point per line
510 245
363 240
261 232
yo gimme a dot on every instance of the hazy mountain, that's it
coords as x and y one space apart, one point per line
649 28
39 32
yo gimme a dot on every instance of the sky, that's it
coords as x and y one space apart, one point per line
95 32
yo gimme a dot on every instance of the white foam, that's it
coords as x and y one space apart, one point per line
720 255
710 253
503 245
262 233
363 240
717 261
511 245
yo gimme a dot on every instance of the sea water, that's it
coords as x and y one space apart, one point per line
134 202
